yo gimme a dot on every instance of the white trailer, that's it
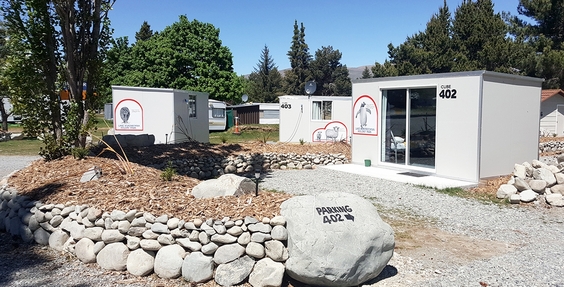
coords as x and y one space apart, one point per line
171 115
315 118
8 108
466 126
269 113
216 115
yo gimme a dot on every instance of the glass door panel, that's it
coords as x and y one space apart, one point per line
422 122
394 126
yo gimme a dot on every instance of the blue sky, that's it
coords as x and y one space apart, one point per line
359 29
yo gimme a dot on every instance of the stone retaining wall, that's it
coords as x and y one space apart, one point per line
551 146
228 250
212 166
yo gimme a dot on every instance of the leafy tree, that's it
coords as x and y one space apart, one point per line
331 76
300 59
186 55
117 64
3 88
144 33
366 74
265 82
54 45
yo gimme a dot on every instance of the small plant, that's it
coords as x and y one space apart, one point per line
302 142
125 167
223 138
265 135
80 153
169 172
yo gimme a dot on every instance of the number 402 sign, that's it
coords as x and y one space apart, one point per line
447 93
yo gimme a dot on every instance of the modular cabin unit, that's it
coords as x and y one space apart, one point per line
315 118
171 115
465 126
552 113
216 115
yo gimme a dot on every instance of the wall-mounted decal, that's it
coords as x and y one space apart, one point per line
332 132
130 116
365 120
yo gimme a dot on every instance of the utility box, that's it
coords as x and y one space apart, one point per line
465 125
171 115
315 119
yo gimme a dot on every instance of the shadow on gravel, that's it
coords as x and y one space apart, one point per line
20 262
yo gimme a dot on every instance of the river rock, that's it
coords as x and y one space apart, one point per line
234 272
140 262
225 185
113 257
267 273
197 268
169 260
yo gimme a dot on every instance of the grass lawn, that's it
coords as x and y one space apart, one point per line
262 133
27 146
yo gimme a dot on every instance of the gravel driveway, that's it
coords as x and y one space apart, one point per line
532 238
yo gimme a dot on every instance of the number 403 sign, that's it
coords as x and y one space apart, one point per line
447 93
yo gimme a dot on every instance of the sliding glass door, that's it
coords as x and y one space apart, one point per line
408 123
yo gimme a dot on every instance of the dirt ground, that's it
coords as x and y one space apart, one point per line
143 189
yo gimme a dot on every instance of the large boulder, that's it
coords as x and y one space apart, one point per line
335 239
225 185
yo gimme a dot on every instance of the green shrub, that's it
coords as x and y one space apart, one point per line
80 153
302 142
169 172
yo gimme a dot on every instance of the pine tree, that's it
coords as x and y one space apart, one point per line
437 41
300 59
331 76
479 37
366 74
265 81
539 49
144 33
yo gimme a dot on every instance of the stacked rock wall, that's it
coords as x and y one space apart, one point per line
212 166
227 251
551 146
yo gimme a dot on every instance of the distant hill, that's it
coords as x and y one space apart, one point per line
354 73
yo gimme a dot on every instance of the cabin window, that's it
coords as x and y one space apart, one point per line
218 113
321 110
192 106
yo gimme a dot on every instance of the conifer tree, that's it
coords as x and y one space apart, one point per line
300 59
265 82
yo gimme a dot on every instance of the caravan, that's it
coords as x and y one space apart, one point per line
217 117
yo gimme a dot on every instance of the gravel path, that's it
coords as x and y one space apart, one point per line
9 164
537 235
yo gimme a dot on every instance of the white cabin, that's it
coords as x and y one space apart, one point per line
315 118
171 115
464 126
